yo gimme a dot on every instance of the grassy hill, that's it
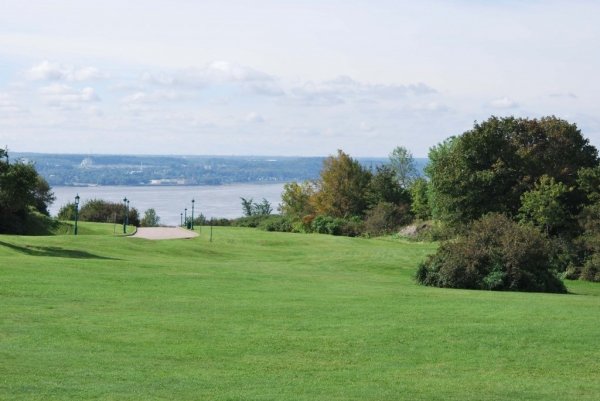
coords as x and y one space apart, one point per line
272 316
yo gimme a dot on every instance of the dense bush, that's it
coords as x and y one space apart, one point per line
100 211
386 218
350 227
495 254
277 223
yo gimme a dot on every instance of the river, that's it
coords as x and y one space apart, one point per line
170 201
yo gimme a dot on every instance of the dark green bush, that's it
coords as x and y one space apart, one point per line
495 254
350 227
591 269
276 223
107 212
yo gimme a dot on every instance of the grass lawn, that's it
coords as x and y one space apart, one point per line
273 316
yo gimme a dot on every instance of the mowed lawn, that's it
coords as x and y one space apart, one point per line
273 316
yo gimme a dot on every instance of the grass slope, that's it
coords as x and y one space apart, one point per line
272 316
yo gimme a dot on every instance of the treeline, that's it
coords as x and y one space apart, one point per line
24 198
518 201
101 211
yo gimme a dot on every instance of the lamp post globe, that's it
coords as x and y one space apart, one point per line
76 213
192 224
125 217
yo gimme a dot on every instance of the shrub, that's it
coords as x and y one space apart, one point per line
386 218
107 212
495 254
350 227
276 223
591 269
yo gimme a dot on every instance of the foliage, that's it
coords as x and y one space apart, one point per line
419 199
385 188
22 193
67 212
488 168
102 211
544 205
296 199
276 223
386 218
342 187
350 227
403 165
150 219
251 208
496 254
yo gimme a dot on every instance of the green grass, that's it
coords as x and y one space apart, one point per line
273 316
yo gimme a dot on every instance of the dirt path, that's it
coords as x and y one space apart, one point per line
163 233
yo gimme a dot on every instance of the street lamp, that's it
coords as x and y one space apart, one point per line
127 215
76 212
125 218
181 215
192 225
185 217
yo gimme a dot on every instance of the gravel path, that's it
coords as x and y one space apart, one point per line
164 233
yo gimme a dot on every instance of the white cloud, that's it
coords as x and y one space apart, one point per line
66 97
504 103
345 89
8 105
48 71
254 117
151 97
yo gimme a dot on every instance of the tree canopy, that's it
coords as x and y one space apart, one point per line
23 194
488 168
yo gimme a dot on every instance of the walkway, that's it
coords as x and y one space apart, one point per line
164 233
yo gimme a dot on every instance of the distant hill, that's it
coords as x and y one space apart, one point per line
84 170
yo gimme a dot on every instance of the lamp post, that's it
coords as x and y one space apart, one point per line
185 217
125 217
181 215
192 225
76 212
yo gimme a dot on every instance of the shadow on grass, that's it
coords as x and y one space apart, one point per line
53 251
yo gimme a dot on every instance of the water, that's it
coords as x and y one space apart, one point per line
170 201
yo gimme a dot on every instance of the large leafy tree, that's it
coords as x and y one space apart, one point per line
22 192
342 187
488 168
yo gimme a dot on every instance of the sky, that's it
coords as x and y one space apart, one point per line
288 78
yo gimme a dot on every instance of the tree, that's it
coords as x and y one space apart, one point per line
247 206
544 205
150 219
385 188
420 199
403 165
488 168
251 208
296 199
23 194
342 187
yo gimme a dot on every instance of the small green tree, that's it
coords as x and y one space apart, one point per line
150 219
385 188
420 199
403 165
296 199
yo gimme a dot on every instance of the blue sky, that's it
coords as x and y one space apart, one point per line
287 77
